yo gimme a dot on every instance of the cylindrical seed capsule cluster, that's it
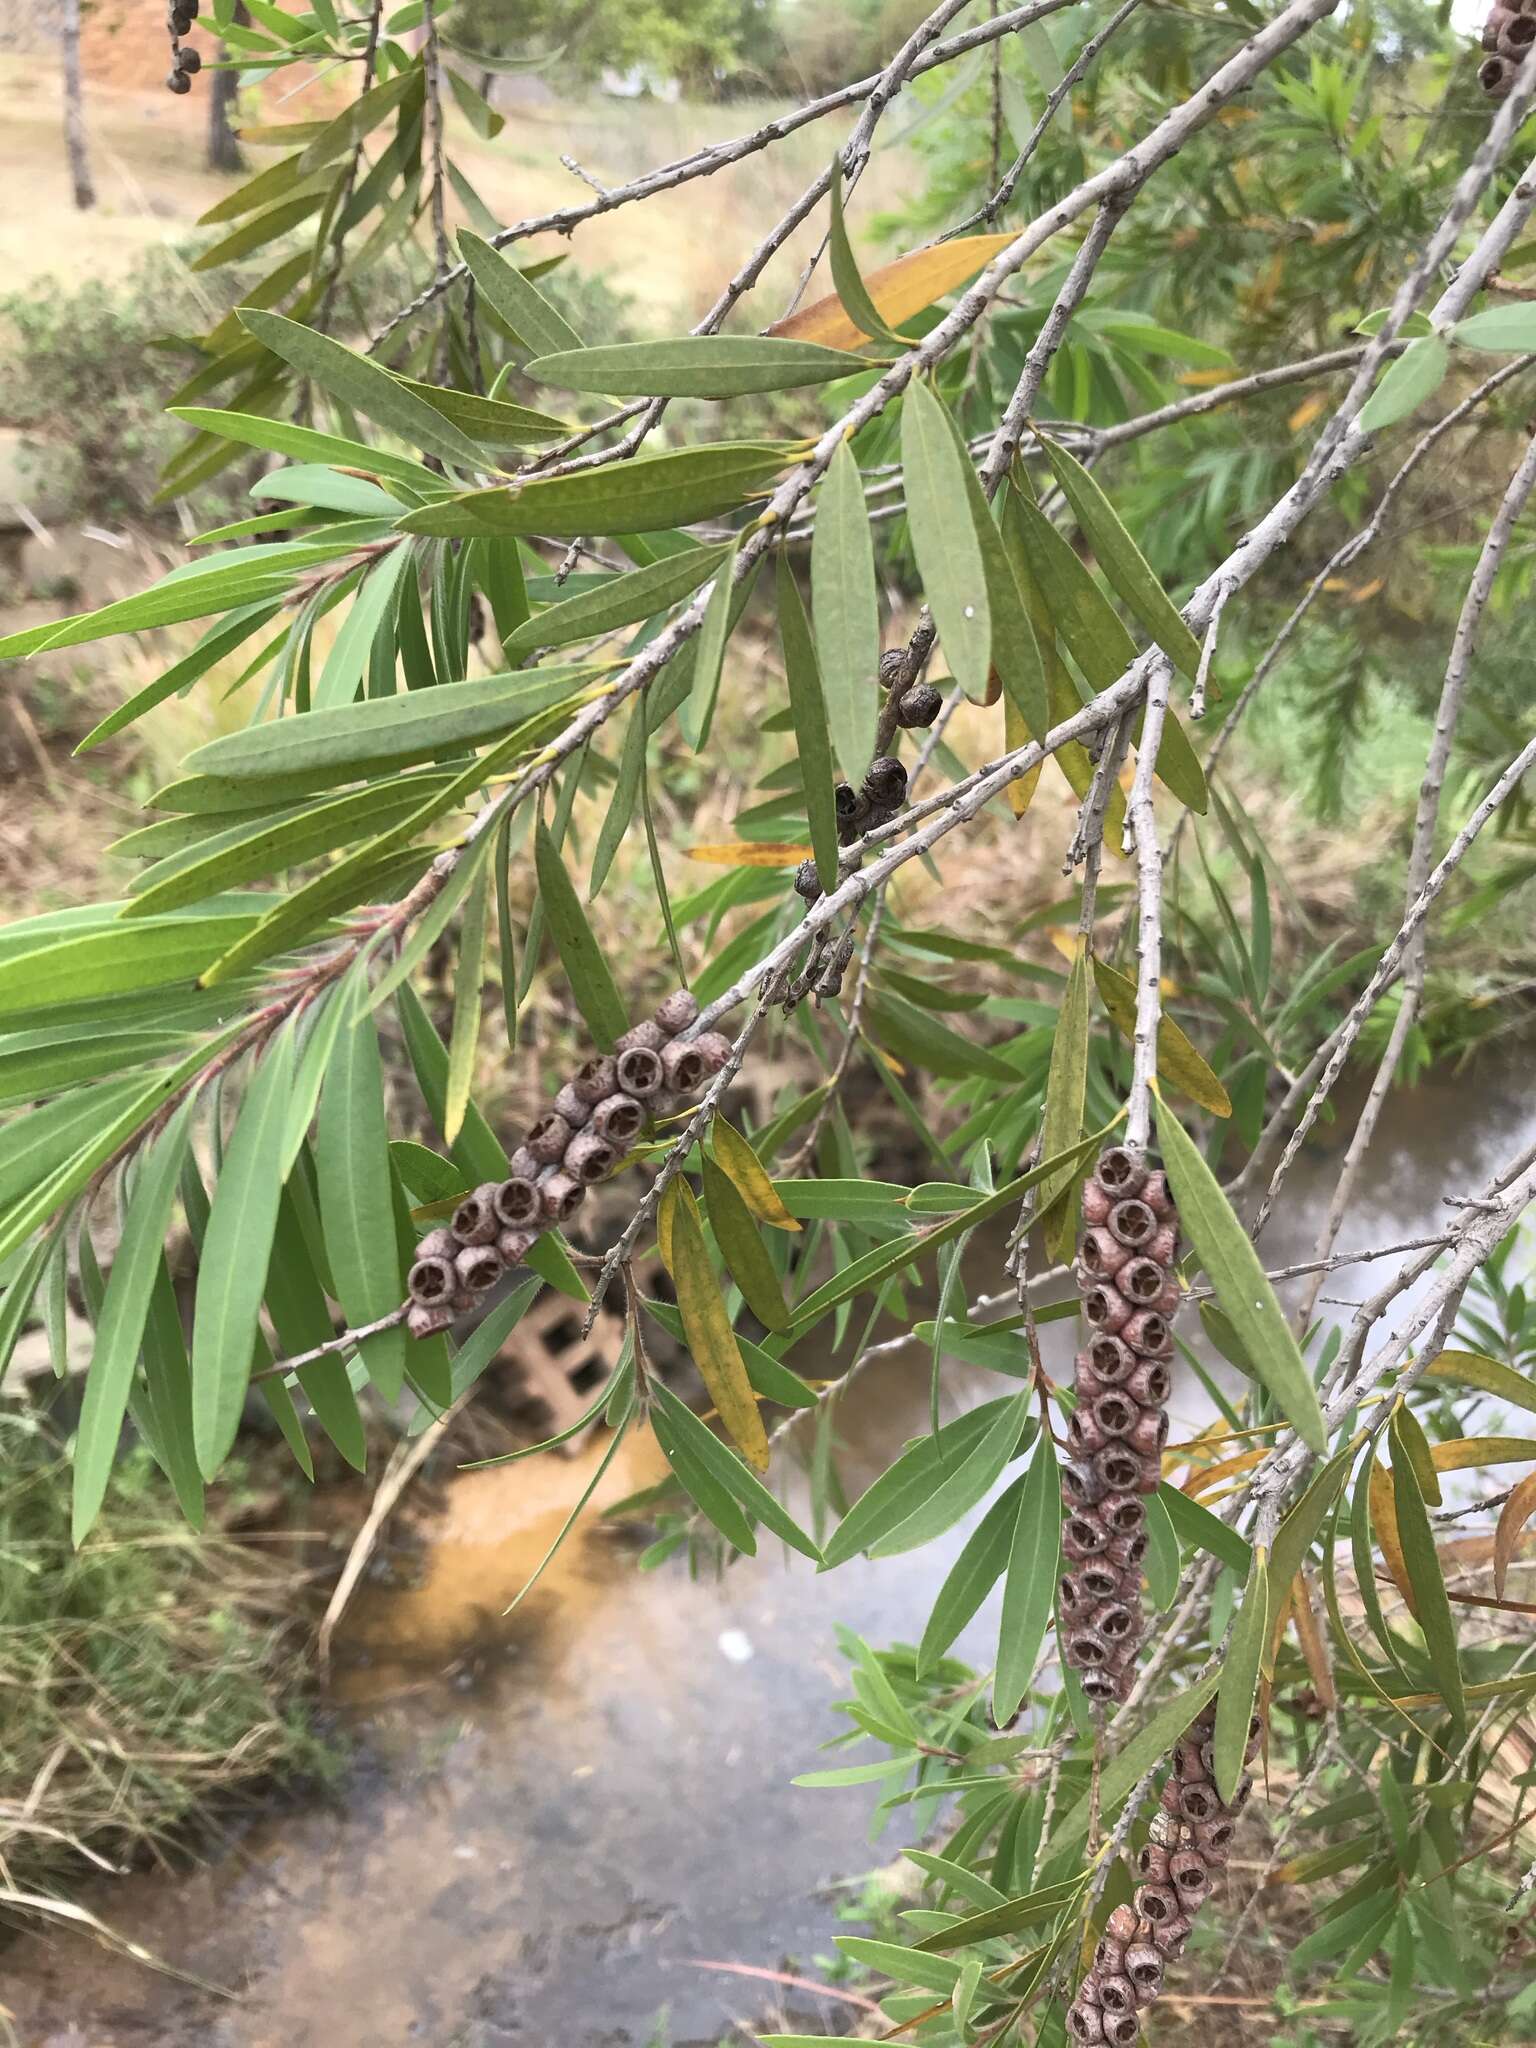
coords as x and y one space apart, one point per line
1189 1842
577 1140
916 703
179 17
877 799
1508 33
1120 1424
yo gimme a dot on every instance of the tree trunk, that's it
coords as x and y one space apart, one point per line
74 113
223 149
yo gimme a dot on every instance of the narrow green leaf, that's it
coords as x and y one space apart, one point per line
944 539
383 732
904 1487
1499 329
1417 1537
356 120
352 1162
1242 1287
846 609
120 1325
364 384
1196 1525
347 661
235 1249
534 321
743 1249
1030 1589
464 1040
621 804
308 444
1245 1647
975 1572
1416 375
155 953
696 366
641 496
494 421
591 980
722 1462
1179 1065
616 601
847 278
713 1499
1127 568
709 651
807 706
1066 1088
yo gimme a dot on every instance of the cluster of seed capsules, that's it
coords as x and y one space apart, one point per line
1120 1424
577 1141
916 703
1190 1839
1508 34
179 17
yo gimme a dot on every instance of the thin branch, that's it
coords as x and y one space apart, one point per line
1141 824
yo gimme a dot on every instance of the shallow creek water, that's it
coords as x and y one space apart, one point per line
560 1813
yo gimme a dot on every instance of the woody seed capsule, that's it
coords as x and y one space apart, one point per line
1127 1552
431 1281
572 1107
548 1138
1101 1254
677 1011
1148 1333
1144 1966
474 1220
684 1066
589 1157
807 881
478 1266
516 1203
1121 1924
1141 1281
918 705
1082 1537
649 1035
1150 1383
715 1049
893 667
1120 1171
515 1245
1099 1581
1085 2023
1118 1466
618 1119
594 1080
1115 1413
562 1194
424 1321
1106 1310
523 1165
1116 1994
640 1071
1113 1361
1132 1223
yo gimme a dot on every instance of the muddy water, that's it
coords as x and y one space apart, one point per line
561 1813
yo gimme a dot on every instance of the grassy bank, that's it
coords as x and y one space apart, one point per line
145 1679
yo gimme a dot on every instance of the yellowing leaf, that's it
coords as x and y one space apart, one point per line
750 853
1308 410
1017 734
898 290
706 1326
1367 591
1229 1468
1201 379
1384 1521
1468 1451
1517 1511
736 1158
1178 1063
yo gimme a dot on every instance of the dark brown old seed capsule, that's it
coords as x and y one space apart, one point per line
1082 1537
918 705
474 1220
188 61
1164 1245
1190 1877
516 1203
1120 1170
715 1049
1086 1648
1099 1581
1081 1486
1516 38
1198 1802
573 1107
1119 1468
590 1157
478 1267
1132 1223
649 1034
893 667
548 1138
618 1119
1099 1686
1101 1254
178 82
1106 1310
684 1066
852 807
807 881
1115 1412
596 1079
515 1245
1140 1281
640 1071
1122 1514
1112 1360
431 1280
1147 1332
1156 1903
1116 1994
562 1194
425 1321
1144 1967
1498 20
1496 77
1150 1384
677 1011
885 780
